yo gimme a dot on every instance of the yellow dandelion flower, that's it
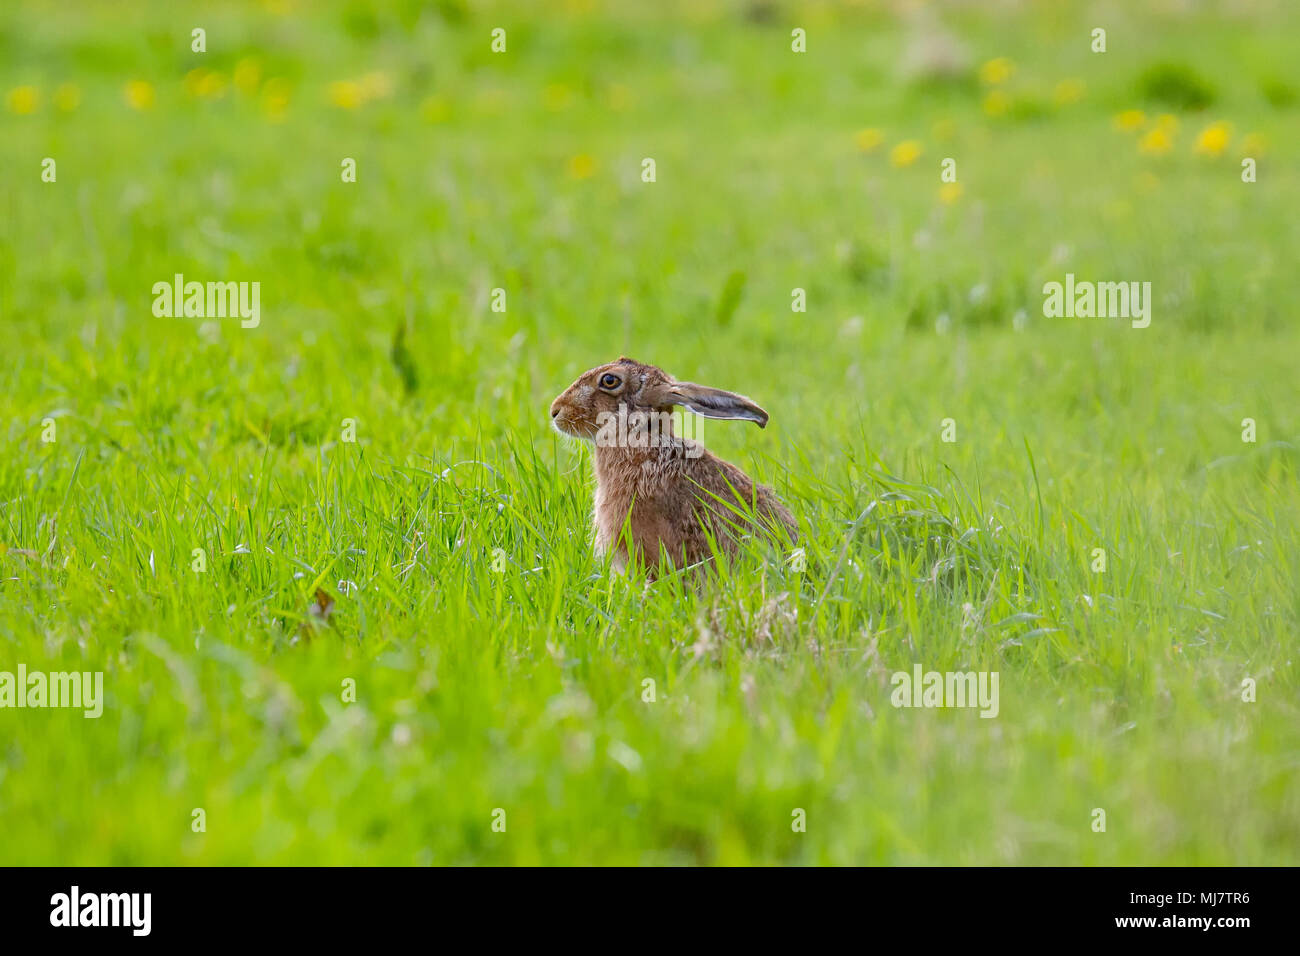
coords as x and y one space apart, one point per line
248 76
212 86
1167 122
949 193
996 103
67 97
1214 139
1156 142
345 94
23 100
1068 91
868 139
139 95
1130 120
582 166
557 97
997 71
905 153
193 79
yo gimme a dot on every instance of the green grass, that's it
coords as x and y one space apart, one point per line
523 690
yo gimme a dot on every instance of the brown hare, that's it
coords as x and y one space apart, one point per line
670 491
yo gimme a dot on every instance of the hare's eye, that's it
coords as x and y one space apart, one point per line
609 380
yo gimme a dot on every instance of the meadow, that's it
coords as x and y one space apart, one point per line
336 569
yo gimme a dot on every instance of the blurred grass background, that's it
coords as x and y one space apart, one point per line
775 170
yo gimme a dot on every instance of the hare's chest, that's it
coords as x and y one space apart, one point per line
603 518
614 508
639 503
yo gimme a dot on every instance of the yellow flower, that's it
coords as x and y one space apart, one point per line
345 94
275 98
139 95
193 79
23 100
1130 120
1156 142
67 97
868 139
212 86
1068 91
997 71
950 192
905 153
248 75
582 166
997 103
1214 139
943 130
1167 122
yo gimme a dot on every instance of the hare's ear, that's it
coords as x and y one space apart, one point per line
716 403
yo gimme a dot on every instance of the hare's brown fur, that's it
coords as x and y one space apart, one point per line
673 495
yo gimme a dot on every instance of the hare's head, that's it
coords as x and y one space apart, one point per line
627 386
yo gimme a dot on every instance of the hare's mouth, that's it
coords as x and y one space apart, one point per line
562 424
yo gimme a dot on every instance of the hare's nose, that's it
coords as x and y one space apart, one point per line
555 409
